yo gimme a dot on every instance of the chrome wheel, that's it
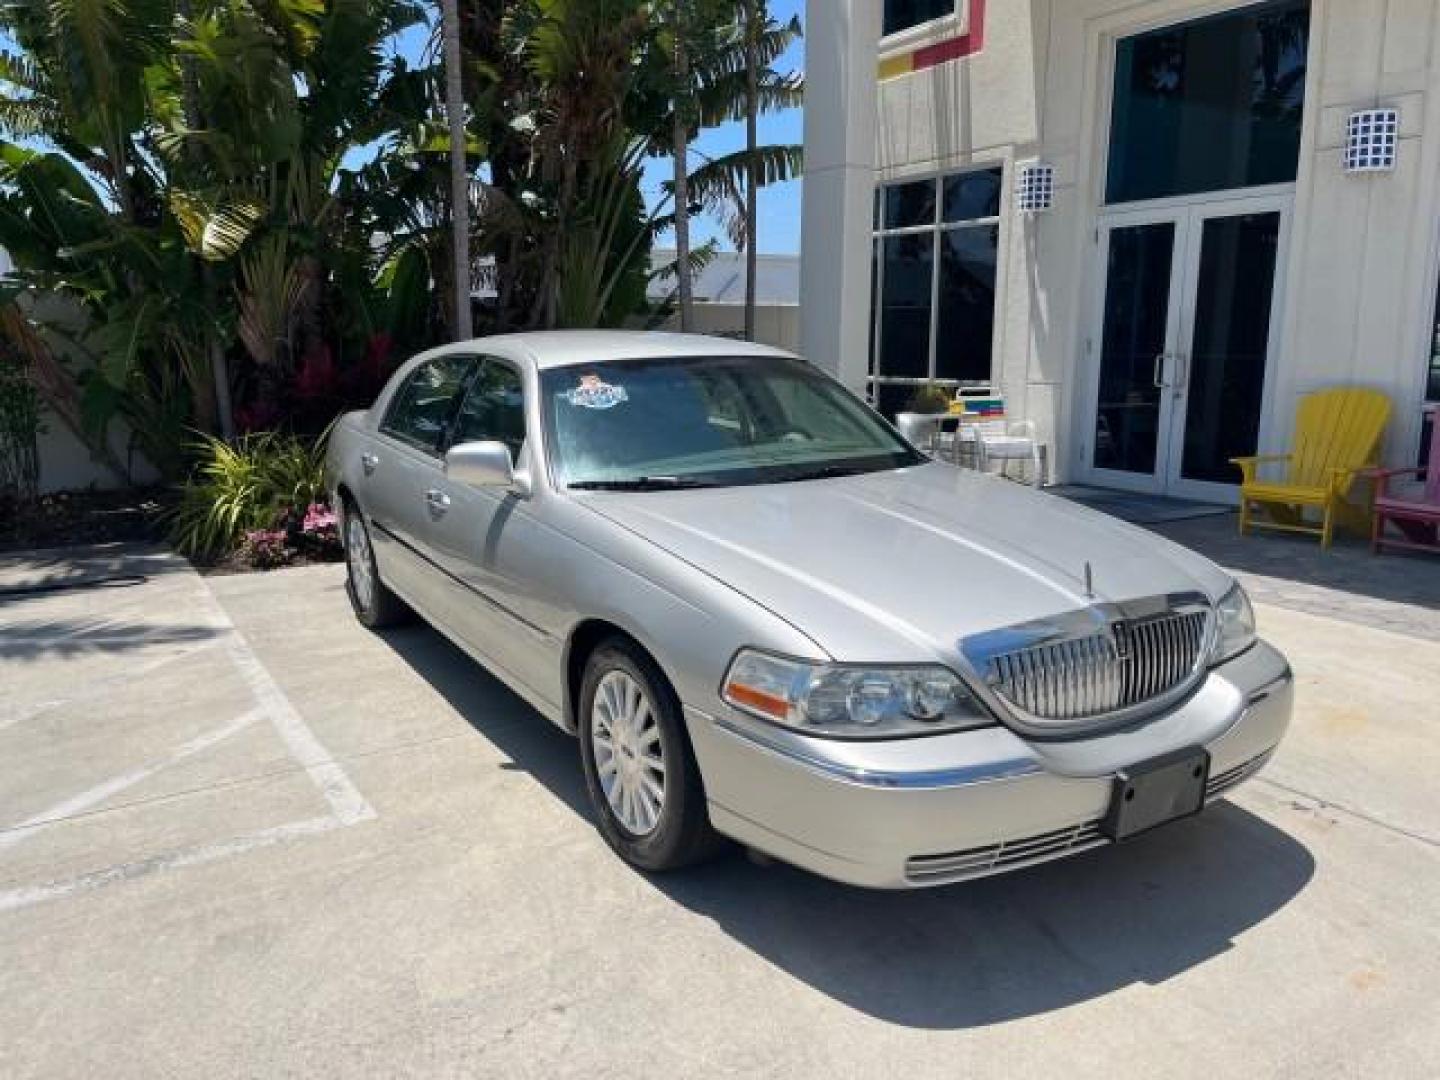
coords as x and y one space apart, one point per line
629 759
359 563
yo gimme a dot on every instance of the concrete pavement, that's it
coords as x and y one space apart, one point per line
241 836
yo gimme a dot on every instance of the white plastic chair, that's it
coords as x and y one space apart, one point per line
998 439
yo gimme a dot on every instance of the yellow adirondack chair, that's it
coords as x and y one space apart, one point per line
1337 434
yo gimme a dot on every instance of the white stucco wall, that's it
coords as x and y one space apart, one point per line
1359 273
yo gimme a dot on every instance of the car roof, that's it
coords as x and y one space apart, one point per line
560 348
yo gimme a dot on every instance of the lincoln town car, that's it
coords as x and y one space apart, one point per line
769 618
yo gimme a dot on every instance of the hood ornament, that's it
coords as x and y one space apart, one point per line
1089 582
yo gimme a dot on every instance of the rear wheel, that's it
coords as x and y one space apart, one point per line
639 770
374 604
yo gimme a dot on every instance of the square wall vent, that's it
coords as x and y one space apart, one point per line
1371 138
1034 187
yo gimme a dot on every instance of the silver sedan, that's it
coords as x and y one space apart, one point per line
768 617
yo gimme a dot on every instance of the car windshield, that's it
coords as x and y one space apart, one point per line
709 422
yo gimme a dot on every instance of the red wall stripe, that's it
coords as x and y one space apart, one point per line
967 44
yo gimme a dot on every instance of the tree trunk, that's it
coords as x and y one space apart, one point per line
223 410
680 129
459 174
752 170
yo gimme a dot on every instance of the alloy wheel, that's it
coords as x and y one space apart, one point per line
629 758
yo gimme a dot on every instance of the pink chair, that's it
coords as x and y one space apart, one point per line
1414 507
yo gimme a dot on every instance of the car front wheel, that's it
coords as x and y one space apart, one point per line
641 775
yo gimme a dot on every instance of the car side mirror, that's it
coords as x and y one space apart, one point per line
480 464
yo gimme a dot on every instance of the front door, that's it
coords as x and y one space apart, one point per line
1183 344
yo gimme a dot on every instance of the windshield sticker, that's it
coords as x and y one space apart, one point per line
594 393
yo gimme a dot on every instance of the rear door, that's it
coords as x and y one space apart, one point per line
401 479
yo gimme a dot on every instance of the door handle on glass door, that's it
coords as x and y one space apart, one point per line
1159 376
438 500
369 462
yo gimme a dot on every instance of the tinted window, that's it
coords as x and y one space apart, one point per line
903 14
909 204
905 305
494 409
972 195
1209 105
965 329
423 407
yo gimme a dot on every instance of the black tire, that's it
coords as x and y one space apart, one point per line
681 836
383 608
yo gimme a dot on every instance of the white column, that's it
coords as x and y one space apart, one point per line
841 53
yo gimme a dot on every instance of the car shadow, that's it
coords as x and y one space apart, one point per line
954 957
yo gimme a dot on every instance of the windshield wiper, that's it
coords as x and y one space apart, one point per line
642 483
826 472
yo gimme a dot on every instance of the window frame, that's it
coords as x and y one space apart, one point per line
482 361
938 227
437 451
931 32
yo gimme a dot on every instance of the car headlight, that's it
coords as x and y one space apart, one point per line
841 701
1236 630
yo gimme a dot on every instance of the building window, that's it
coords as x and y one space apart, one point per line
905 14
1209 105
937 242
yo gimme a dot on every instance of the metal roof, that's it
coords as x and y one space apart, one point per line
777 279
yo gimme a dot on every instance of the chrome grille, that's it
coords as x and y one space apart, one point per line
1226 780
1006 855
1128 663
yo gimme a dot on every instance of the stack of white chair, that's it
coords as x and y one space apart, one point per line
991 437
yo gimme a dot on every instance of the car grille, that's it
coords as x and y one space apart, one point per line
1129 663
1007 855
1029 850
1222 782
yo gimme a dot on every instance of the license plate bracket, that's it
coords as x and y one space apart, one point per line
1155 792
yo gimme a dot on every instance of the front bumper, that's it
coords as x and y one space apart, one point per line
933 810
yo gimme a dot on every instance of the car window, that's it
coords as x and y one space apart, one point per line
423 407
494 408
709 420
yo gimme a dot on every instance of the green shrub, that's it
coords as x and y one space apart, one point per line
244 486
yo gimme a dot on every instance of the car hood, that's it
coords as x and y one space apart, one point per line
887 566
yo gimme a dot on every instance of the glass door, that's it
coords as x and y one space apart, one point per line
1218 384
1183 344
1139 320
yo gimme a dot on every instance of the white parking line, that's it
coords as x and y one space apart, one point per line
13 834
345 800
27 895
348 806
14 714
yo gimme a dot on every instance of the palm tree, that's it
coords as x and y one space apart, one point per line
459 174
680 151
742 83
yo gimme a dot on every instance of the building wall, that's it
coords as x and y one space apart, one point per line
775 324
1358 276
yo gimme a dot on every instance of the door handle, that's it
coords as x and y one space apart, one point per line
369 462
1159 375
439 502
